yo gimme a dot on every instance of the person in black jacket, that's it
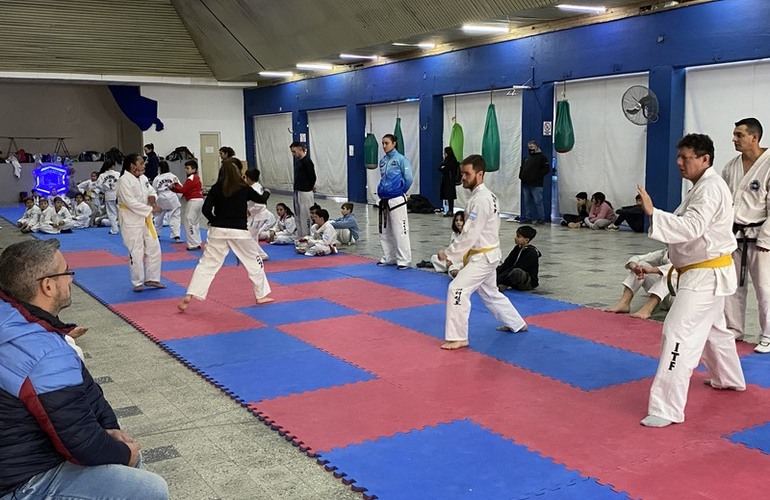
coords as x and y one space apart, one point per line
152 162
450 169
533 170
519 270
59 437
633 215
226 209
304 187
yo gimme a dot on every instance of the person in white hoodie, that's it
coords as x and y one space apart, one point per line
168 201
137 204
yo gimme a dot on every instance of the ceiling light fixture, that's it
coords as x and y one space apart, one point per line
596 9
485 28
356 56
276 74
315 66
425 45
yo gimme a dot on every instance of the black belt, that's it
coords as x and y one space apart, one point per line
740 228
384 207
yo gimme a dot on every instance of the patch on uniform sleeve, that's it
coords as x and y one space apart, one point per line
754 186
472 215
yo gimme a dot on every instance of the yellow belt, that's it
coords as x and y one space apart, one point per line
147 221
721 261
474 251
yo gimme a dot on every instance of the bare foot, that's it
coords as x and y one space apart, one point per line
182 306
619 308
155 284
265 300
452 345
641 314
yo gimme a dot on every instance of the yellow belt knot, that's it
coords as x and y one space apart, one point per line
474 251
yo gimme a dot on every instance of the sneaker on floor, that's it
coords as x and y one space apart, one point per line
612 227
424 263
401 268
763 347
177 239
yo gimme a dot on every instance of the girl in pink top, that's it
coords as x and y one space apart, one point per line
601 214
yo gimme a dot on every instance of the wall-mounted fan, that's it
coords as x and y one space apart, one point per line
640 105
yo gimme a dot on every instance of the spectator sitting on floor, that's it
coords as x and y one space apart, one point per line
520 268
633 215
576 220
347 225
601 214
648 271
458 222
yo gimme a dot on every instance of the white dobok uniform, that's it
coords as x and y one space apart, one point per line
654 284
480 238
30 217
64 217
260 218
82 217
108 184
137 229
46 221
321 240
699 230
285 231
168 201
89 187
441 266
751 199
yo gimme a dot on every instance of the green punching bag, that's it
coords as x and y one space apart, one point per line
564 135
490 144
456 141
399 136
371 148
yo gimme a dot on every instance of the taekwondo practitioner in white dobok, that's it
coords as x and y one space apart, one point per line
748 177
168 201
323 236
648 271
31 216
396 179
107 183
700 243
137 203
478 248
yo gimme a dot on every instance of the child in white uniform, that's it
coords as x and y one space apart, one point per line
107 183
64 219
82 217
441 266
322 237
284 232
260 218
168 201
47 221
30 217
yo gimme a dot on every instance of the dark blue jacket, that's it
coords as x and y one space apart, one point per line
51 409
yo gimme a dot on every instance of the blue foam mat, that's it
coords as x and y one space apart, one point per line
297 311
458 460
112 285
281 374
306 276
12 213
757 438
756 369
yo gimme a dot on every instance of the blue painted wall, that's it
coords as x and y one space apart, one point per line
663 43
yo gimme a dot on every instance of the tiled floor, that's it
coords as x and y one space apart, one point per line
207 446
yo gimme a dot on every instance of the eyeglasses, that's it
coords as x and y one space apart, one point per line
683 157
68 272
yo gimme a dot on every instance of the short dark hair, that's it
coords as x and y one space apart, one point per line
582 195
322 213
348 205
129 160
228 151
314 208
753 125
163 167
21 264
701 144
252 174
297 144
150 146
477 162
191 163
527 232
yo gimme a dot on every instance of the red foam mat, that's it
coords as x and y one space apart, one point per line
314 263
93 258
161 319
364 296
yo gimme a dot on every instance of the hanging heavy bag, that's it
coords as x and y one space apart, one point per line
490 144
399 136
564 137
456 141
371 147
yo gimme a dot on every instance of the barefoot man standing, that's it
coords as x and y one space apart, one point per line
478 247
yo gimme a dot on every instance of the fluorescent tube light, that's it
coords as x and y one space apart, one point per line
276 74
485 28
315 66
582 8
356 56
425 45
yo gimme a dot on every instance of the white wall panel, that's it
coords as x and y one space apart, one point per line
328 150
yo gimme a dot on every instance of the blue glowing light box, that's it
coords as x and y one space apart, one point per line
51 177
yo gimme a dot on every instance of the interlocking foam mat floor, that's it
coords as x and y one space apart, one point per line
346 365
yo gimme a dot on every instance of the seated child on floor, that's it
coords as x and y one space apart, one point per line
347 225
575 220
520 268
322 238
633 215
458 221
47 222
284 231
30 217
63 220
82 217
648 271
601 214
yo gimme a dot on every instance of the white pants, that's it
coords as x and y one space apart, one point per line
440 266
394 239
256 226
598 223
344 236
695 327
219 243
192 222
112 214
479 274
758 264
303 200
45 228
319 249
654 284
171 208
143 251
